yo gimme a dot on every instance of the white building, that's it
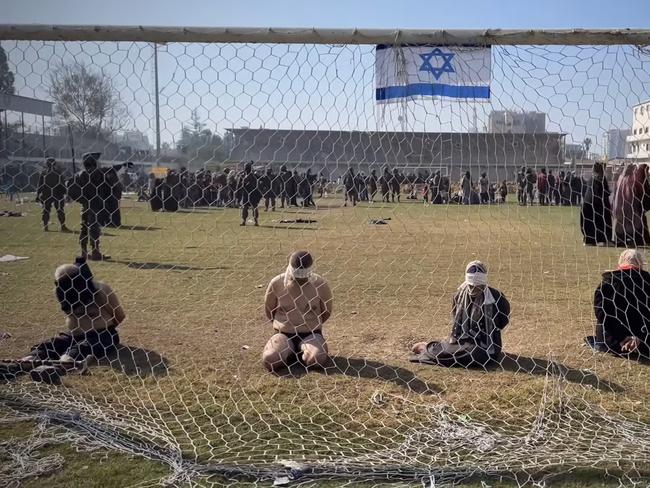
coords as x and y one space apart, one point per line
639 140
617 143
511 122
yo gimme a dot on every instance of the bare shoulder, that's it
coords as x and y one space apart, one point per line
319 282
277 281
104 288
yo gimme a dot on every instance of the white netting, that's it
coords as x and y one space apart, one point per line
186 386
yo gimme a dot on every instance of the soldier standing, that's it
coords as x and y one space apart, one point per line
51 193
372 185
249 194
85 189
384 183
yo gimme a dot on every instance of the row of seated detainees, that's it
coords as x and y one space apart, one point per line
299 302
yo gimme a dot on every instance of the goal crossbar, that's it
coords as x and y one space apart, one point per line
273 35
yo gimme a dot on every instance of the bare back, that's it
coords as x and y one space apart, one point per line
298 308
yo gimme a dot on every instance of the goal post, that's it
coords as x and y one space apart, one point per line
412 164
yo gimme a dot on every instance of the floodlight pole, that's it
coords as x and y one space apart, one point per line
155 67
71 140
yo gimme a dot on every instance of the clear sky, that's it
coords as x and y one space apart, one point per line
583 91
335 13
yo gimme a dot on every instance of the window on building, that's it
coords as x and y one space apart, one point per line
646 130
634 131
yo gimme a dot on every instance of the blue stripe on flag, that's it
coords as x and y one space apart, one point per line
432 90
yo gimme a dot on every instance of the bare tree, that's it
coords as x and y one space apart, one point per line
87 100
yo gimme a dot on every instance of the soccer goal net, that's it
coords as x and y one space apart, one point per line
394 159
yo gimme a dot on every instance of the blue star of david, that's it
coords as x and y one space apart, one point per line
437 71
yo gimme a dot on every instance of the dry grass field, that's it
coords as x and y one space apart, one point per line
192 284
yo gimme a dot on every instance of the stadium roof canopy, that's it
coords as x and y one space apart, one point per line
26 105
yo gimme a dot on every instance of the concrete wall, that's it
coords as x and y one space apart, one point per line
500 155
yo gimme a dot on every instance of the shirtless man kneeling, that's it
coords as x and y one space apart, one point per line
298 302
92 314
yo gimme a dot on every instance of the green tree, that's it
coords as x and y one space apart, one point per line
86 100
199 144
6 76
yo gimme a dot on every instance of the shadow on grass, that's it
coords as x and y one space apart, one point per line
541 367
76 232
137 227
287 227
166 266
135 361
363 368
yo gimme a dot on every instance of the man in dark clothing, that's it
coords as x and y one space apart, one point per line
267 182
221 184
288 186
181 191
307 189
531 179
576 189
479 313
371 185
565 188
294 182
622 309
434 188
360 186
554 194
51 192
249 194
384 184
484 188
542 187
521 186
85 188
232 188
111 188
350 188
396 185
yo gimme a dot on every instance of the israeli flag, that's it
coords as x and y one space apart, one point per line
451 72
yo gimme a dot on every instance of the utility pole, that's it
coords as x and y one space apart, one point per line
155 67
71 142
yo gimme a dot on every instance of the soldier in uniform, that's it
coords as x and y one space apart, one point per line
349 181
396 185
384 184
288 186
111 189
51 192
85 188
371 183
266 188
249 194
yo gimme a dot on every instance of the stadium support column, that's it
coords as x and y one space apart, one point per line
155 67
43 126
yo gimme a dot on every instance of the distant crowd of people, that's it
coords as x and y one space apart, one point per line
607 216
227 188
564 189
